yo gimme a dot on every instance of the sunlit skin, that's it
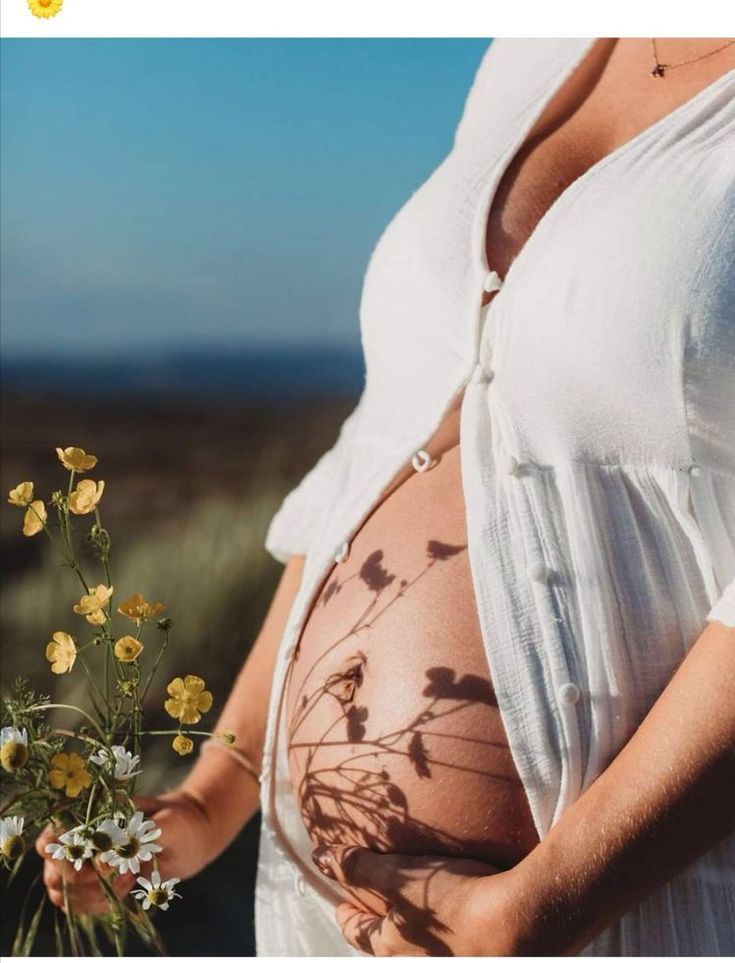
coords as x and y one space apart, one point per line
391 713
666 798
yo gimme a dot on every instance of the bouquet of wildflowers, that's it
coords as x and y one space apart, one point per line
82 779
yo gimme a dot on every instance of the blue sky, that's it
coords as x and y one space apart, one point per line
173 193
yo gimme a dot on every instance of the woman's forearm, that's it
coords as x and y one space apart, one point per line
664 800
227 793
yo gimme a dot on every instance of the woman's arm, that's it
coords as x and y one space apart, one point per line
224 790
666 798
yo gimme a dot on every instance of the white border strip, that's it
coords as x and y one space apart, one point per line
365 18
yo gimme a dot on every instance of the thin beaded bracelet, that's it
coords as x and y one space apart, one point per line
237 754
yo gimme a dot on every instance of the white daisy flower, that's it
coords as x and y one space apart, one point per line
71 846
12 844
13 748
155 892
140 832
124 761
103 837
11 734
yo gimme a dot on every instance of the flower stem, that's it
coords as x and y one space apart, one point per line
63 705
173 732
155 665
91 677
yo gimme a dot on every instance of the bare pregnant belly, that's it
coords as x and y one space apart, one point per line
394 735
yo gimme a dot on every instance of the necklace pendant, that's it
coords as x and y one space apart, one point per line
659 70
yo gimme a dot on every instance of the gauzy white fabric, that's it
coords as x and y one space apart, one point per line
597 441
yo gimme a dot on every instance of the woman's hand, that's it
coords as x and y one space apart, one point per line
419 906
185 835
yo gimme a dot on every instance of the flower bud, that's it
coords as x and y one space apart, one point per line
183 745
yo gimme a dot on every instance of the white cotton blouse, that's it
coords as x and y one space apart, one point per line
597 444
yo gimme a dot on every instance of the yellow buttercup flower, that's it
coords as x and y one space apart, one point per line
21 495
137 609
127 648
76 459
45 8
61 652
69 773
92 606
189 699
34 518
183 745
85 496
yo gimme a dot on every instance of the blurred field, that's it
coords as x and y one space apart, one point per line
191 487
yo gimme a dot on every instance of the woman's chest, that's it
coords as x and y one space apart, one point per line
620 294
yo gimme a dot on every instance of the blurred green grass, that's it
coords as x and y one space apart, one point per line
191 487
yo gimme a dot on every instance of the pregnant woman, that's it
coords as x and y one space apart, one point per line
501 656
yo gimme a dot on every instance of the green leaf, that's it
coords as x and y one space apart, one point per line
58 935
146 930
33 928
16 866
88 924
20 934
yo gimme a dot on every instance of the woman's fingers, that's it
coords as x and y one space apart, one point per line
359 868
85 897
369 876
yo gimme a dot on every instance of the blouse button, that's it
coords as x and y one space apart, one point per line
342 553
569 693
421 461
695 471
508 464
492 282
299 884
481 376
538 572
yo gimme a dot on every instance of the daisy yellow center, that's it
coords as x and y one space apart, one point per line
13 755
44 3
13 847
75 851
102 841
129 849
158 897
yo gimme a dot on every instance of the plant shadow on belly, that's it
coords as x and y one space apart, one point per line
359 785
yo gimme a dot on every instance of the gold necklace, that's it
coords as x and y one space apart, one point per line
660 69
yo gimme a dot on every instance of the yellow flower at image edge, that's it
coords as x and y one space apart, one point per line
85 496
183 745
189 699
76 459
34 519
127 648
61 652
68 772
21 495
45 8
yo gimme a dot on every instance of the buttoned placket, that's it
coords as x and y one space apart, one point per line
483 373
568 693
